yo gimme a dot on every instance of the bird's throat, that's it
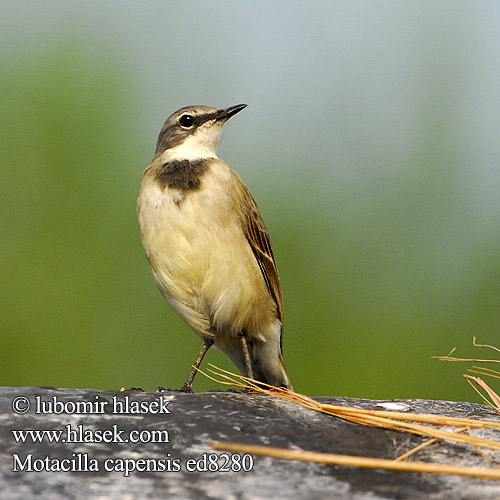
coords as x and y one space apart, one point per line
184 175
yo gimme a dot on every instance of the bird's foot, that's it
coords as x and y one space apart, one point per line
184 388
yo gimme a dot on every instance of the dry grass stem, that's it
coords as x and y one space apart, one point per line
484 371
379 418
487 372
404 456
448 358
475 344
352 461
486 388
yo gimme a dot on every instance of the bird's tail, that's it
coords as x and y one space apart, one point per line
265 359
268 365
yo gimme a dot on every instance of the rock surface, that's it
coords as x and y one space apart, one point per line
163 460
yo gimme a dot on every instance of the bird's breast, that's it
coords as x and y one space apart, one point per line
180 227
198 252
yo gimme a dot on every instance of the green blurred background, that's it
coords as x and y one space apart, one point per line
371 144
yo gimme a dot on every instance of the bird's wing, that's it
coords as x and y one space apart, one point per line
258 238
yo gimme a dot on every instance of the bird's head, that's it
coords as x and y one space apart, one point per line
194 131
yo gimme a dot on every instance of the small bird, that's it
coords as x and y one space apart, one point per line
208 247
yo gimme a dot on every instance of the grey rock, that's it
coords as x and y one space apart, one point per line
193 421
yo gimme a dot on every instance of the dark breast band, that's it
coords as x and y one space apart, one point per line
184 175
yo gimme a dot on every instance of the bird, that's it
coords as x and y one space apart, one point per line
209 249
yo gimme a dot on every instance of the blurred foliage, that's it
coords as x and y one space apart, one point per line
376 278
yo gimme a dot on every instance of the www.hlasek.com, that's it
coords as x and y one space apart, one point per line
81 434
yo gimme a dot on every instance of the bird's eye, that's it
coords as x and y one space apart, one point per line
186 121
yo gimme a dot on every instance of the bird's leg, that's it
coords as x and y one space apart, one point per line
246 354
204 348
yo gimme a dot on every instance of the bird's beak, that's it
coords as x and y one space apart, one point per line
225 114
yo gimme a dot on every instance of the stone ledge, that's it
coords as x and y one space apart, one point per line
197 419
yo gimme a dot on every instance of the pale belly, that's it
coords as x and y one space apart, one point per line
203 264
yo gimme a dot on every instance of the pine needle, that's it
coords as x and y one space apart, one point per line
448 358
416 423
484 345
377 418
352 461
487 372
